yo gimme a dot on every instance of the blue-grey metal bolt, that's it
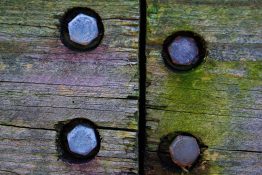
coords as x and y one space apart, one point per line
83 29
82 140
183 50
184 151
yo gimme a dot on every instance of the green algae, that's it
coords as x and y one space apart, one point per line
206 92
203 101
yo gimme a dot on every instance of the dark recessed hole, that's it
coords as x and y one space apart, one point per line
184 50
64 31
71 130
165 157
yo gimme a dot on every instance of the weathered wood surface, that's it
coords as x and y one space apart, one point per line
220 101
42 83
33 151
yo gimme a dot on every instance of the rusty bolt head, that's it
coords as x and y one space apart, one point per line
183 50
82 140
83 29
184 151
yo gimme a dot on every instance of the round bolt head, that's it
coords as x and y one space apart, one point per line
83 29
184 151
82 140
183 50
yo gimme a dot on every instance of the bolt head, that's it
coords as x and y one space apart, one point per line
82 140
184 151
83 29
183 50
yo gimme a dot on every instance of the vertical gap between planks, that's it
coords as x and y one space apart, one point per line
142 87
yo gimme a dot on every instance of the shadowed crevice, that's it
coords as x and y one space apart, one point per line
142 87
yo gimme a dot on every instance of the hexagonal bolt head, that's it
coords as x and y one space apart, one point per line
83 29
184 151
82 140
183 50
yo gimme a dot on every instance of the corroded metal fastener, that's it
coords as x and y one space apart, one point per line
83 29
82 140
183 50
184 151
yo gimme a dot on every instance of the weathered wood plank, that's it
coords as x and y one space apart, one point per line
226 28
33 151
43 83
220 101
42 105
216 162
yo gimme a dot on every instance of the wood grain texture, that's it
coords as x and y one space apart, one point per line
220 101
43 83
33 151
